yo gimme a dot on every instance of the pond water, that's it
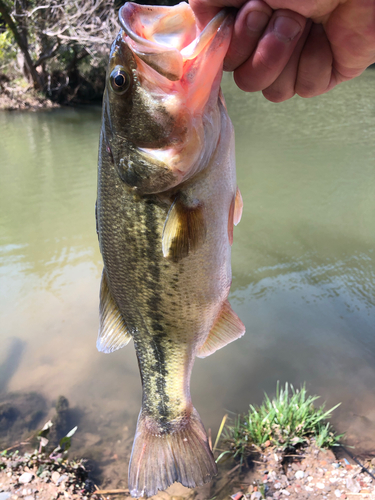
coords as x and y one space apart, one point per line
303 268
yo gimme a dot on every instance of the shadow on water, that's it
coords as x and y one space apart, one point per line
20 414
11 358
23 413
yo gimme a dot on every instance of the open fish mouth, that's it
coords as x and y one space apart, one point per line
180 69
166 37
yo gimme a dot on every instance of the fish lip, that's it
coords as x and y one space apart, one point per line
183 16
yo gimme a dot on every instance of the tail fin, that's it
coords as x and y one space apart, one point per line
158 460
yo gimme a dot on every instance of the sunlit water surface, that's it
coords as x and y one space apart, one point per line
303 266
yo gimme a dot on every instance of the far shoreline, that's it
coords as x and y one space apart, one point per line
28 99
25 98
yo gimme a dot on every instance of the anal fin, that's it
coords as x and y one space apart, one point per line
113 333
184 229
227 328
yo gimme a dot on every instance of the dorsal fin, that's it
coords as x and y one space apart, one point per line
113 333
184 230
227 328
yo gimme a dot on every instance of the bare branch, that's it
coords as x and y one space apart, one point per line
92 23
47 55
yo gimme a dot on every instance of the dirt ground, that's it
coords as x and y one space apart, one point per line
308 474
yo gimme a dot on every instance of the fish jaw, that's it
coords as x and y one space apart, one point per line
165 40
181 71
157 34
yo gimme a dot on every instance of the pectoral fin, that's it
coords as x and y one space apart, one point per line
227 328
238 206
235 214
184 230
113 333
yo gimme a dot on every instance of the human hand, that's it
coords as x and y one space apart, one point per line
284 47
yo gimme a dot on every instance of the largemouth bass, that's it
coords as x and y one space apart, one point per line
167 202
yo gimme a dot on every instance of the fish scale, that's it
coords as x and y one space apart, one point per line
144 230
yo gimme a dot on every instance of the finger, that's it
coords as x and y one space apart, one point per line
205 10
272 53
315 66
250 23
283 87
318 10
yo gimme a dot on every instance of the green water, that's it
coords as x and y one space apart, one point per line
303 265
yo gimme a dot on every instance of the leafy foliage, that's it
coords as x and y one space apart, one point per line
7 48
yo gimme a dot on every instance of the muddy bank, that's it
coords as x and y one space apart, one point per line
309 473
98 463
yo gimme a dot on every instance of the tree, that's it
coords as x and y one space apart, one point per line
55 35
21 42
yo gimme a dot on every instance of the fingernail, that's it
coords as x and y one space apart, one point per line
257 21
286 28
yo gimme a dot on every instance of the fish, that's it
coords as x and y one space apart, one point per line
167 201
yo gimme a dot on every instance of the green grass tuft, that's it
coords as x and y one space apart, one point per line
288 420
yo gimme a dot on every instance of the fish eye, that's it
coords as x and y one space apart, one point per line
120 80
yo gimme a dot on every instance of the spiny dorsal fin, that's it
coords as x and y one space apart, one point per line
227 328
184 230
238 206
113 333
